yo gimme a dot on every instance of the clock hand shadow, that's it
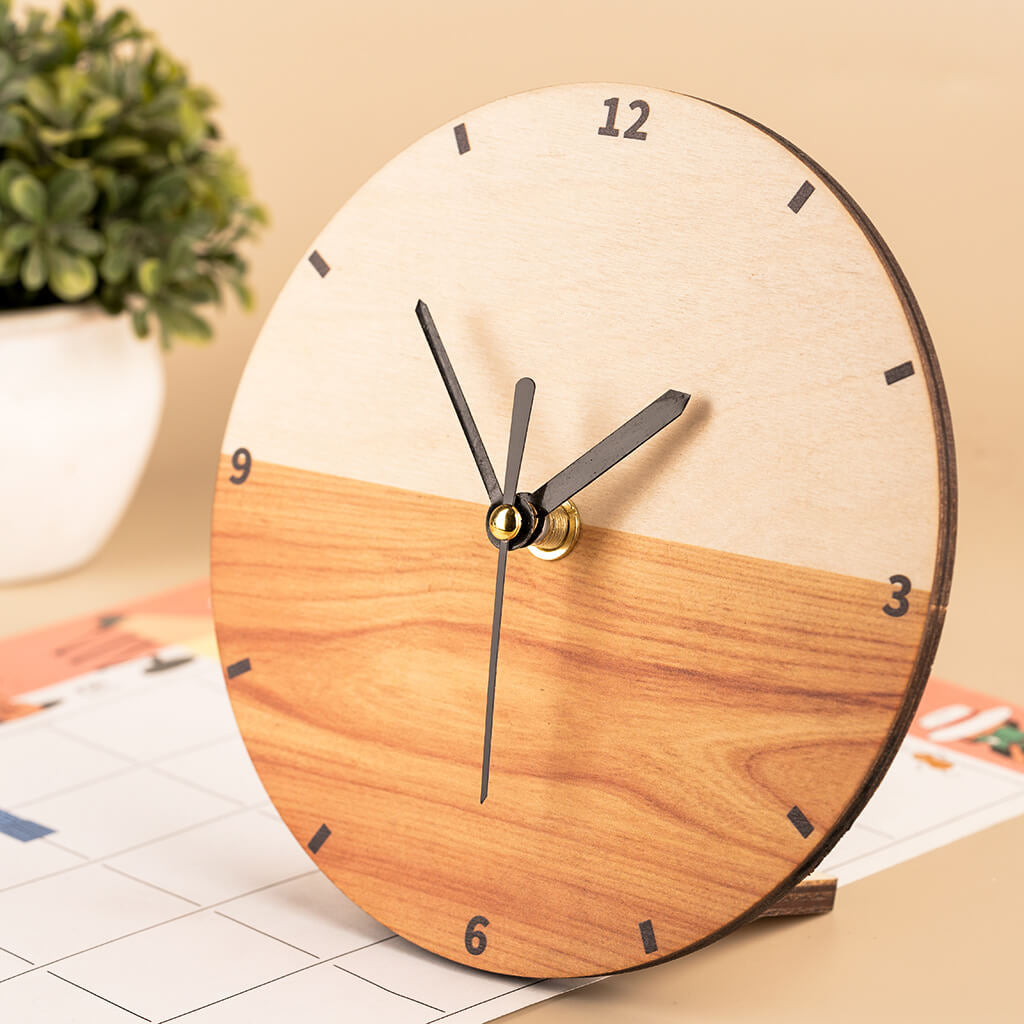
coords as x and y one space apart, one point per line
626 478
501 368
495 354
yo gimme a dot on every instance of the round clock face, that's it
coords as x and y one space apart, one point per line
590 763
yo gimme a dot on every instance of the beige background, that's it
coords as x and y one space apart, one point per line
917 109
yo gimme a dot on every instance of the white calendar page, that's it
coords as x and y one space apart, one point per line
144 875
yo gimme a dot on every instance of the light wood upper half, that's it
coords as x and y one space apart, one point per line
610 270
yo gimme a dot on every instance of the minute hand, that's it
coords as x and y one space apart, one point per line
605 454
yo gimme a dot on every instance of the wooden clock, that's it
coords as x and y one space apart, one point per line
648 341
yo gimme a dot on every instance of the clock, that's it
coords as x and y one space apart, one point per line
583 530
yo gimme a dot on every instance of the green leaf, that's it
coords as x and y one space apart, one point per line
72 194
34 269
12 90
242 292
140 323
193 124
179 256
111 298
198 224
164 194
9 264
148 273
120 147
100 110
116 264
41 96
9 170
187 326
119 25
83 240
119 231
118 188
55 136
81 10
18 236
183 324
10 127
72 84
72 277
199 290
28 197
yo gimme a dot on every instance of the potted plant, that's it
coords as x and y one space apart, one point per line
121 217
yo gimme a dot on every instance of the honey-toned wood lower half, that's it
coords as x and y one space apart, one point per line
660 711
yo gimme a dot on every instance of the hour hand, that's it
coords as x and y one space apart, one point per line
605 454
466 421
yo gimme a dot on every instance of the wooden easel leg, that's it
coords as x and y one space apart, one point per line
811 896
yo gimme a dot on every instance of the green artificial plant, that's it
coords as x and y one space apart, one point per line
114 185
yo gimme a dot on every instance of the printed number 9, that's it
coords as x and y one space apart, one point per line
476 941
242 461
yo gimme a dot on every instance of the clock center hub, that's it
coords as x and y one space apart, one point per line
504 522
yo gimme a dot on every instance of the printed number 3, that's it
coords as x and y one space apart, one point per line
476 940
899 596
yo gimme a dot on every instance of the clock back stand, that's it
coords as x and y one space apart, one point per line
809 897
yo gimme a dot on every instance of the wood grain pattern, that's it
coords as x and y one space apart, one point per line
660 710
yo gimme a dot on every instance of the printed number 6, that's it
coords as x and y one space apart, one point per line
476 941
899 596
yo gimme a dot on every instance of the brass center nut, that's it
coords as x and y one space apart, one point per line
504 522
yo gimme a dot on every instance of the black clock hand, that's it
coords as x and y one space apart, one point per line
521 408
451 382
605 454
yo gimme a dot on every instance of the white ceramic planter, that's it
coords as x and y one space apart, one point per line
80 402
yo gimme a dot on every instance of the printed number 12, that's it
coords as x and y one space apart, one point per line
632 132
